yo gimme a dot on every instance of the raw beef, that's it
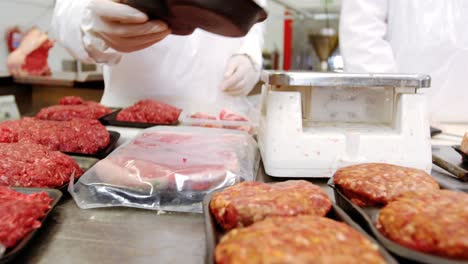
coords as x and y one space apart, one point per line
231 116
20 214
174 160
374 184
150 111
301 239
73 107
217 122
33 165
36 62
248 202
434 222
77 135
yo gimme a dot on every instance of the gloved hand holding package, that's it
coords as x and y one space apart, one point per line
169 168
121 27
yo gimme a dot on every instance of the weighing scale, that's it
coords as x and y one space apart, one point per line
313 123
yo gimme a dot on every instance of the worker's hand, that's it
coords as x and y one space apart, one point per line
15 62
241 75
122 27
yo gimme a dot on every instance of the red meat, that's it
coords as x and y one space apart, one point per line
77 135
374 184
20 214
36 62
73 107
33 165
169 160
231 116
434 222
296 240
249 202
71 100
150 111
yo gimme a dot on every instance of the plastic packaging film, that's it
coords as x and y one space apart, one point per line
169 168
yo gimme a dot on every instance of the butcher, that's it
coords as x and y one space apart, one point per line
142 59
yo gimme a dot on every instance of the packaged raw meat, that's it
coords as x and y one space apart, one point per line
34 165
75 136
20 214
71 107
150 111
225 119
169 168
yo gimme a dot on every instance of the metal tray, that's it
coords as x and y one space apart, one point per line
114 137
448 164
463 154
111 120
213 232
366 216
11 253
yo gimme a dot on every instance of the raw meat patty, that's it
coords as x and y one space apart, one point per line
249 202
20 214
150 111
432 222
174 160
33 165
72 107
374 184
296 240
77 135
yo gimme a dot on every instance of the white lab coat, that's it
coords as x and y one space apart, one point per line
412 36
185 71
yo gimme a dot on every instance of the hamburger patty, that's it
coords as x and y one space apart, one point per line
300 239
249 202
432 222
374 184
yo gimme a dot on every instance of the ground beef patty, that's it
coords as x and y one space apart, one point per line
33 165
432 222
249 202
150 111
374 184
20 214
73 107
77 135
300 239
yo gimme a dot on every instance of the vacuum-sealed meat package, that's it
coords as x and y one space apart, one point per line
169 168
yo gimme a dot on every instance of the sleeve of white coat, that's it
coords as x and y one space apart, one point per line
67 23
363 30
253 42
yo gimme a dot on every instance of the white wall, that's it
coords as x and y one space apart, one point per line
27 13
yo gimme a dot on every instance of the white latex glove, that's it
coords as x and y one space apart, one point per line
122 27
241 75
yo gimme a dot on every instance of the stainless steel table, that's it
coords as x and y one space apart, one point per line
117 235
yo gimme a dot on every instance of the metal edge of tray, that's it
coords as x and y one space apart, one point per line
346 79
336 213
365 221
78 160
56 195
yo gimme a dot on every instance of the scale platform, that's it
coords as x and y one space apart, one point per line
315 123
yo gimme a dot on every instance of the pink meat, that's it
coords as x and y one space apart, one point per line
182 161
200 115
231 116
